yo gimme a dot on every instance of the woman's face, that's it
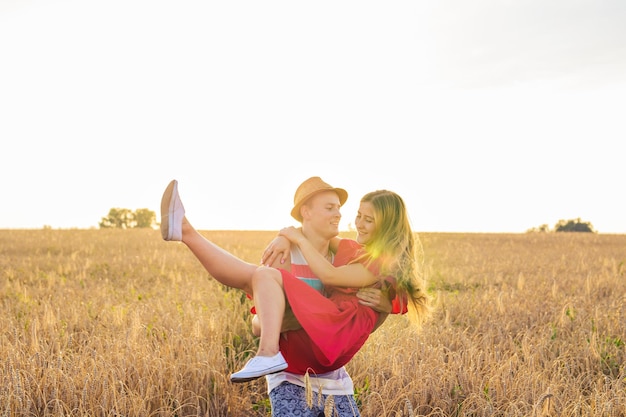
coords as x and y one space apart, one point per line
364 222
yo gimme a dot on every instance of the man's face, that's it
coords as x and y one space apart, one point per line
322 214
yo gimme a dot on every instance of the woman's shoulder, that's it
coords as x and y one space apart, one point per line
350 251
347 250
347 244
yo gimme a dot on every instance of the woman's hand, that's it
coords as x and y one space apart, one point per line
278 249
374 298
294 234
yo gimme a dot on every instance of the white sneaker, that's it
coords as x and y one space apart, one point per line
172 213
260 366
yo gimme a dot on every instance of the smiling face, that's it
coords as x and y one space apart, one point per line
322 214
365 222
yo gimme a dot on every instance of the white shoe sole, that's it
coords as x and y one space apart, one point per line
252 377
251 373
168 202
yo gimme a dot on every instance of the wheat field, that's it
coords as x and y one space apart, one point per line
121 323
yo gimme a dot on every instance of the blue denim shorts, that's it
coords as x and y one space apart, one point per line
289 400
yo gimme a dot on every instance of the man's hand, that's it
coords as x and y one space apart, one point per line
375 298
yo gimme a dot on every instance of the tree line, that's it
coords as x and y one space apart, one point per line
574 225
123 218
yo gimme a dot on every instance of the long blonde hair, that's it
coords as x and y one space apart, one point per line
399 251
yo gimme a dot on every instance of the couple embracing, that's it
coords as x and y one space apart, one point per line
317 297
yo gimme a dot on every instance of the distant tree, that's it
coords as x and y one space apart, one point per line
145 218
573 226
118 218
122 218
544 228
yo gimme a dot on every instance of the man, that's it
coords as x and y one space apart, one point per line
317 207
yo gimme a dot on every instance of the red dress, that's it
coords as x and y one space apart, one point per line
334 328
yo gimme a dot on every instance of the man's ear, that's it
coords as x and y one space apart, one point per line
304 211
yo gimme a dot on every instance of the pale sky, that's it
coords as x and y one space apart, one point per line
485 115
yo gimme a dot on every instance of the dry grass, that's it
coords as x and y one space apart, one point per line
118 322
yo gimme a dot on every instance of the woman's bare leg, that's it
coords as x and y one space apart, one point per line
222 265
269 301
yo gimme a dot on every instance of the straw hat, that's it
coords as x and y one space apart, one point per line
309 188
